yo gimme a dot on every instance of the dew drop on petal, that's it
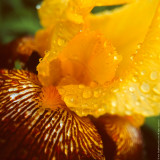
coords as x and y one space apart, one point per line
145 87
60 42
101 110
128 112
143 73
153 75
120 79
134 79
69 99
132 58
115 90
131 89
97 94
38 6
115 58
156 89
139 46
113 103
87 94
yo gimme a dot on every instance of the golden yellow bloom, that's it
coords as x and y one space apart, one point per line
98 64
102 63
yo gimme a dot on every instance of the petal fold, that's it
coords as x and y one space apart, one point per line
127 138
125 27
138 92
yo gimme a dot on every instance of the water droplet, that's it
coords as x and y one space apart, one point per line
84 105
120 79
142 98
145 87
153 75
70 100
97 94
143 73
139 46
61 91
87 94
128 112
128 107
131 89
113 103
60 42
38 6
115 58
115 90
105 44
134 78
100 109
156 89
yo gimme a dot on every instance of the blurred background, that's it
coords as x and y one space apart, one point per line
19 18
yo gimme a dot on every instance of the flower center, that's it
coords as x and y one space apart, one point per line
88 57
51 98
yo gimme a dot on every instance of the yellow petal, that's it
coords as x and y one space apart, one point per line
53 10
49 71
138 92
89 57
125 27
63 20
112 2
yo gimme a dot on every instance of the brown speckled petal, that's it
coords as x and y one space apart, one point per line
123 134
29 131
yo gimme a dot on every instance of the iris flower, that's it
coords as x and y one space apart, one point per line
98 78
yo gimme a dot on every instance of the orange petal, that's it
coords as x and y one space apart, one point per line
137 92
125 27
112 2
89 57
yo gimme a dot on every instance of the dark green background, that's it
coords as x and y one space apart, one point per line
20 18
17 18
